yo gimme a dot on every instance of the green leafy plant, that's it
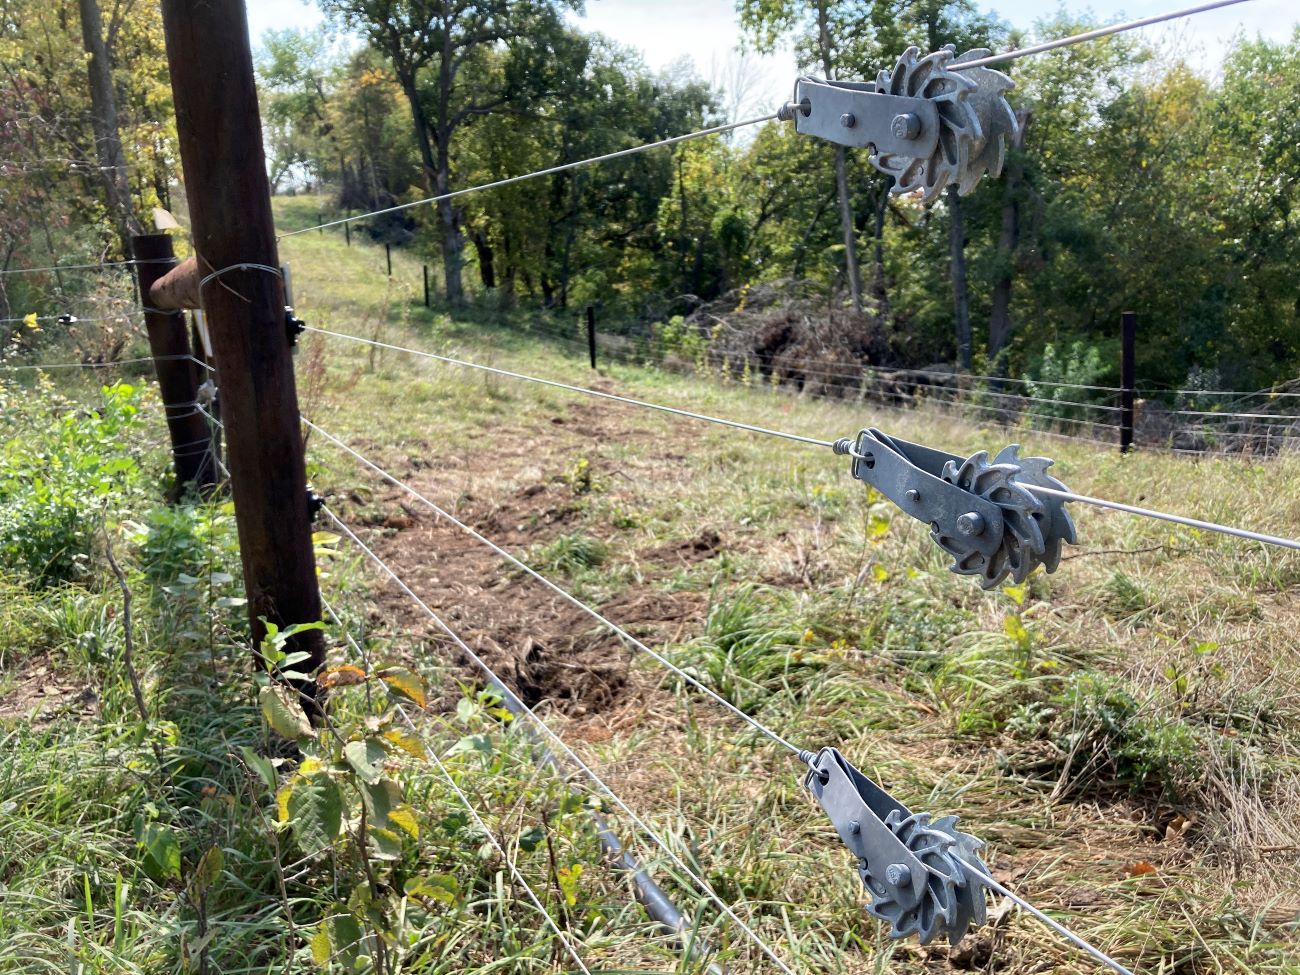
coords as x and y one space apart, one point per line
54 484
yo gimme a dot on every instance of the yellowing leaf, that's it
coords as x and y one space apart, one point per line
321 951
1015 629
345 676
403 817
282 803
407 743
1017 593
403 683
568 881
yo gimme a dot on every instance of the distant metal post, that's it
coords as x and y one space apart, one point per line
193 455
219 129
388 255
426 286
1127 371
591 334
320 222
347 233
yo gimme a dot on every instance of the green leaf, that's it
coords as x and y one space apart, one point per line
283 713
472 743
315 811
531 840
439 887
208 872
380 799
260 766
366 758
388 845
162 850
346 937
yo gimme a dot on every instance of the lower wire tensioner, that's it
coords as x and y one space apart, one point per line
919 872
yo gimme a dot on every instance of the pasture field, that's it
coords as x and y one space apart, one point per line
1123 734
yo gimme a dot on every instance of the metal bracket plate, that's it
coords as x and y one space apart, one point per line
908 475
854 114
857 808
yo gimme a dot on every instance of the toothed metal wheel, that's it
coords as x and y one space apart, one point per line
976 124
953 897
998 123
1034 526
960 133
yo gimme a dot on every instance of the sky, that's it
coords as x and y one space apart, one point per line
706 32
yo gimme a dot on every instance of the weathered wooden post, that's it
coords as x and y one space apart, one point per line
193 452
220 134
1127 372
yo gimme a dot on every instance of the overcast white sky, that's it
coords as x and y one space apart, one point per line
706 31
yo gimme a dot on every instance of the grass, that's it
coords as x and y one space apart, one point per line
1123 734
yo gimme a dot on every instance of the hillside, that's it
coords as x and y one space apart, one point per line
1122 734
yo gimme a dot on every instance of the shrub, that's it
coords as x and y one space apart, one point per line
55 484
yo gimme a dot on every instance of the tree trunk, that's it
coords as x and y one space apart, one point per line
846 223
453 244
1000 323
486 262
851 268
108 143
879 288
960 302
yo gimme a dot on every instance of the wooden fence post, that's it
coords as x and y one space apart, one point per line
388 255
193 450
591 334
426 286
220 134
1127 371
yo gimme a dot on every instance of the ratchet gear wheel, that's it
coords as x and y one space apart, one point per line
1034 525
975 121
954 895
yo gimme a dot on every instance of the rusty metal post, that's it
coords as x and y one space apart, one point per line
193 453
1127 371
220 134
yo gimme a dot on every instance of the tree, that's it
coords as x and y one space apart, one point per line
825 26
442 53
104 122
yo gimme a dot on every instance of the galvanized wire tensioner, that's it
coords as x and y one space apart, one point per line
985 514
928 120
922 875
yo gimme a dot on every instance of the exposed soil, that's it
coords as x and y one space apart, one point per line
42 693
546 648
